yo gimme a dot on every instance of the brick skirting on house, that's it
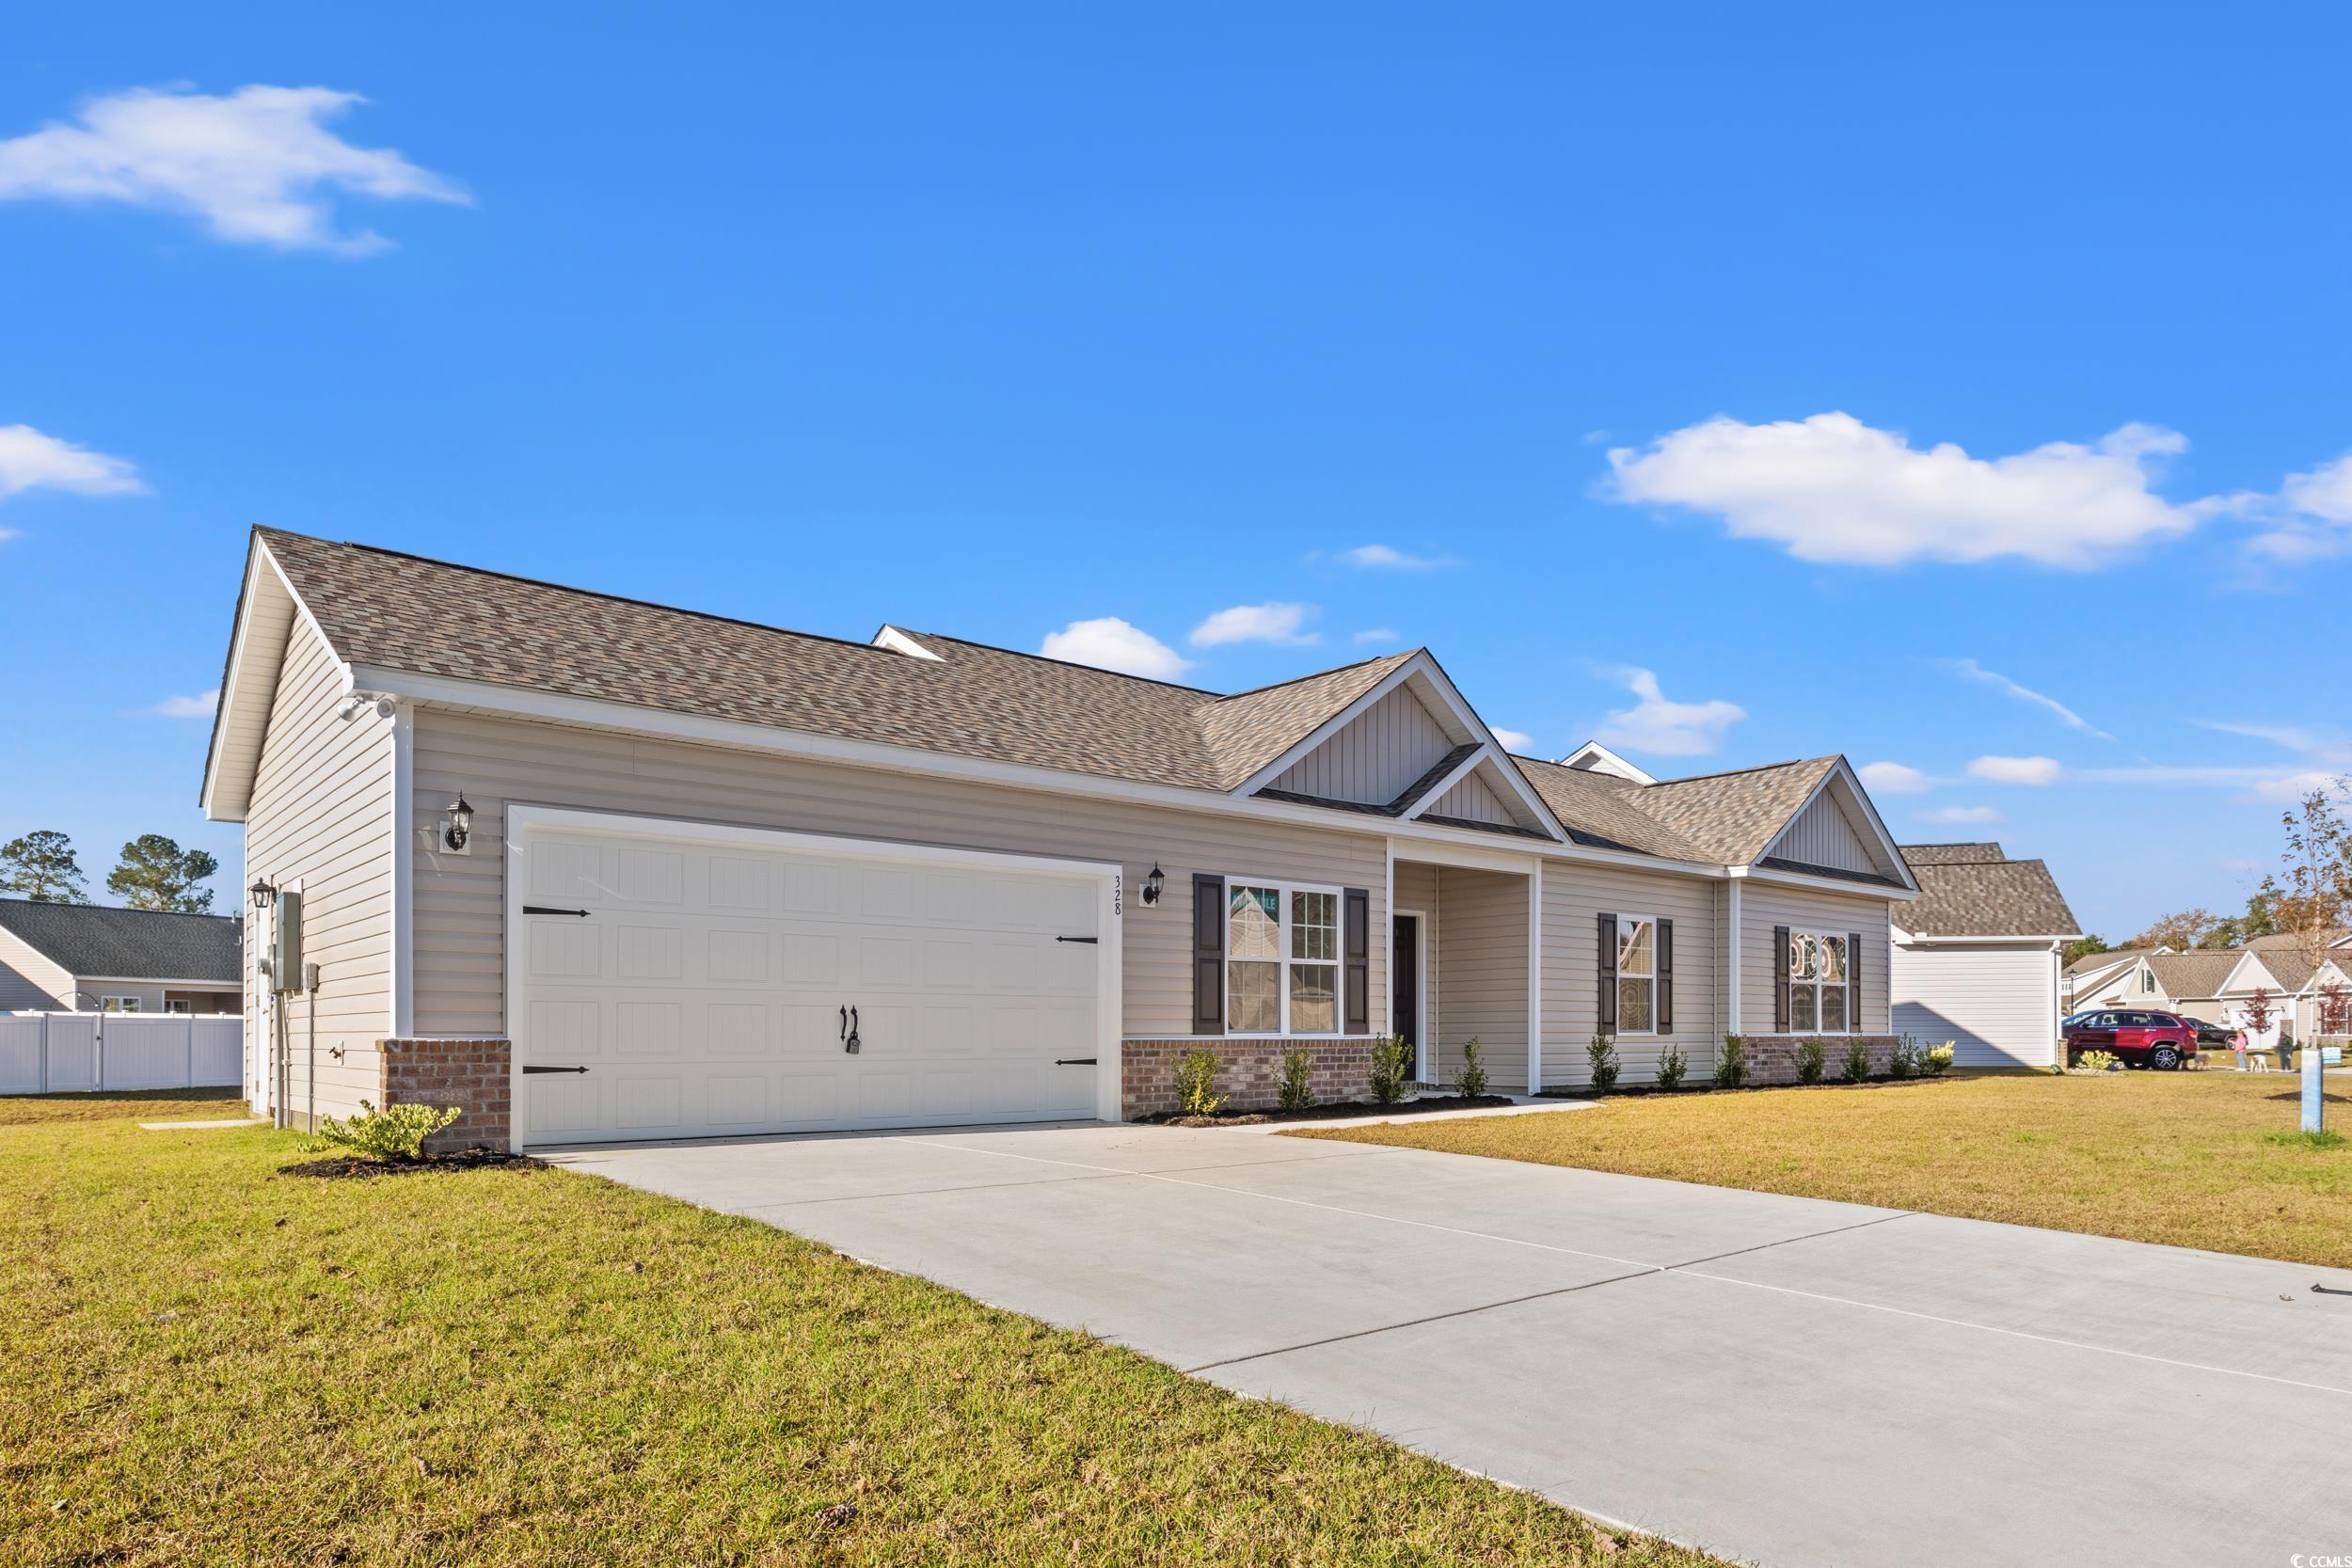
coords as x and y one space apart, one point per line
471 1074
1249 1075
1772 1058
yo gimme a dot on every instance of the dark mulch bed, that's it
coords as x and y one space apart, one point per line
1326 1113
358 1167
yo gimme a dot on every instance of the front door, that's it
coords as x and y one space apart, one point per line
1405 982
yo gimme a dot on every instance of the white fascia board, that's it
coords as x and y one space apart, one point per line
594 713
898 641
264 576
1823 884
1607 762
152 980
2229 981
1460 771
1887 847
2005 940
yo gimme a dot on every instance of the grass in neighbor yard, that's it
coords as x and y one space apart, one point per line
2188 1159
205 1362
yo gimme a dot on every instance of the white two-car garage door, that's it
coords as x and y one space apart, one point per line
712 981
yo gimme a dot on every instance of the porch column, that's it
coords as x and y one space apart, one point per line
1731 958
1535 978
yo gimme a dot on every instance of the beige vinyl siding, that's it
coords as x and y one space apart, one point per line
1472 802
1417 889
1375 755
28 981
1575 898
1765 904
1484 953
321 816
459 920
1823 834
1996 1002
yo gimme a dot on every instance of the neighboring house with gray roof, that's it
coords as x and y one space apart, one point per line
1978 957
753 880
89 958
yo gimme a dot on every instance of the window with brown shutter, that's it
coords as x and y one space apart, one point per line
1208 955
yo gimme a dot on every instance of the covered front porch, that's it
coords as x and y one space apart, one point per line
1462 965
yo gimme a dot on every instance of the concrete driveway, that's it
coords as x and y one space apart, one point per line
1776 1379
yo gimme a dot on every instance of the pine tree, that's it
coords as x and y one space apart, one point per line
40 866
157 874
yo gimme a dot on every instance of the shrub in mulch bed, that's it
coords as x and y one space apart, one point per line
1325 1113
357 1168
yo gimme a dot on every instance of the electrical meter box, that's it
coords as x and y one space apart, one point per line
285 951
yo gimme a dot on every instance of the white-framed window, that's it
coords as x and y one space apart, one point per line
1281 959
1818 977
1637 974
177 1005
118 1004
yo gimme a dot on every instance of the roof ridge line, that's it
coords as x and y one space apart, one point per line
1049 659
114 909
1735 772
1315 674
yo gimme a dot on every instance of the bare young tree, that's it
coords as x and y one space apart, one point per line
2311 893
2180 931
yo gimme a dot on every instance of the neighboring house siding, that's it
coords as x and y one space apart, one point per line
1418 889
460 911
1823 835
1574 900
1472 802
321 815
1996 1002
28 981
1485 964
1375 755
1765 904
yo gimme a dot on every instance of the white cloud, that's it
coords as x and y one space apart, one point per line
198 707
2310 517
1381 635
1831 488
2294 786
1110 643
1663 728
32 461
2328 746
2017 771
1512 740
9 534
1382 558
1957 815
2066 716
257 164
1256 623
1892 778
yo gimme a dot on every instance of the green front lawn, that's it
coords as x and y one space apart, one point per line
2188 1159
203 1361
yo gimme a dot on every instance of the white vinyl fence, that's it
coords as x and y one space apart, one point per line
56 1053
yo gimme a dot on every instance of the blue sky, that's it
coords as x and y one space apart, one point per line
1825 364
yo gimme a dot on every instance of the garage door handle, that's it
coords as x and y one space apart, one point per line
542 908
530 1069
1090 1061
1088 939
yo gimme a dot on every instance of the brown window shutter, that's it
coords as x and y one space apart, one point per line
1208 955
1853 982
1665 977
1608 974
1780 979
1356 959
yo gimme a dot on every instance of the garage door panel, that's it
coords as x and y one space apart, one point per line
705 986
648 1030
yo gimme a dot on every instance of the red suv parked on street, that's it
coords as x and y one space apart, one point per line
2137 1037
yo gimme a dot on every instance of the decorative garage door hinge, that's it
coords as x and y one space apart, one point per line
528 1068
1078 939
1074 1061
542 908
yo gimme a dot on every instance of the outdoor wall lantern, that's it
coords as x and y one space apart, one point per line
457 827
1152 883
263 893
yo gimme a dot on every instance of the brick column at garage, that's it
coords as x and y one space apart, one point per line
471 1074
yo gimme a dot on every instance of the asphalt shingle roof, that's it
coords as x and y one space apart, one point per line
1951 854
1732 817
1983 898
2193 973
1604 811
128 944
2093 963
